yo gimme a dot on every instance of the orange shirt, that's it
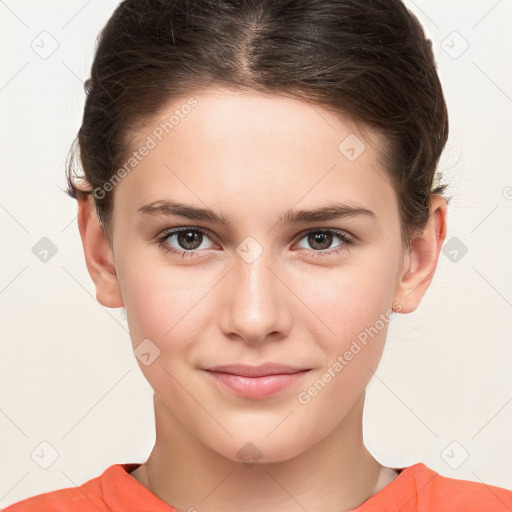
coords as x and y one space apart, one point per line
417 488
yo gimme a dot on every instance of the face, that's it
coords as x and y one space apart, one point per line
270 283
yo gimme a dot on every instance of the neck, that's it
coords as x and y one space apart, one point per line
336 474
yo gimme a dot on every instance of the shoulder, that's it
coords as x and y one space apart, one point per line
88 497
418 488
114 490
433 491
61 500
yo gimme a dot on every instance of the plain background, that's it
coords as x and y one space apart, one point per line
443 392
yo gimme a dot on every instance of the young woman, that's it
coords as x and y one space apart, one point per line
260 195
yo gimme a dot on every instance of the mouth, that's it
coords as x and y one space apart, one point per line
256 382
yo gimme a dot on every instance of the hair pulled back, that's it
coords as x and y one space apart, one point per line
368 59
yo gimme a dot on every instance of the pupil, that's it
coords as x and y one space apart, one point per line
187 239
318 239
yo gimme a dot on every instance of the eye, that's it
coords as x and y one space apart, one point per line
188 240
320 240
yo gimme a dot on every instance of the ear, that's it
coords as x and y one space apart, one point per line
420 262
99 255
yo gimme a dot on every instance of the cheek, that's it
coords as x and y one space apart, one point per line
351 357
166 310
148 306
158 298
350 298
162 322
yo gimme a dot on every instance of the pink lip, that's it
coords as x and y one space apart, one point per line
256 381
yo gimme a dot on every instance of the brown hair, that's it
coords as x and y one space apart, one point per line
368 59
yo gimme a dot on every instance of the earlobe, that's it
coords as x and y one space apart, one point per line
98 255
420 263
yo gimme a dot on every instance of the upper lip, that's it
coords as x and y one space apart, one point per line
256 371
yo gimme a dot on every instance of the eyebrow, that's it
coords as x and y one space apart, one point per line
331 211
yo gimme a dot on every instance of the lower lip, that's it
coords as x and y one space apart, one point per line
257 387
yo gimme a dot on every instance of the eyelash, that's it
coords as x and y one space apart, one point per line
343 237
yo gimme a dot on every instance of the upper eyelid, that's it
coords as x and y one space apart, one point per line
173 231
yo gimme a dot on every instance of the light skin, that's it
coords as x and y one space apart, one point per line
251 157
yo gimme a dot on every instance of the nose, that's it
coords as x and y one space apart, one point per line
256 302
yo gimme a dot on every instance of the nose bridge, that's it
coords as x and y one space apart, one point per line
256 307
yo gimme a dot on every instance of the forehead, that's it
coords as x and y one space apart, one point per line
254 151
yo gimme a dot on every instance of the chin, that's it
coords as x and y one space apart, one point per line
252 450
